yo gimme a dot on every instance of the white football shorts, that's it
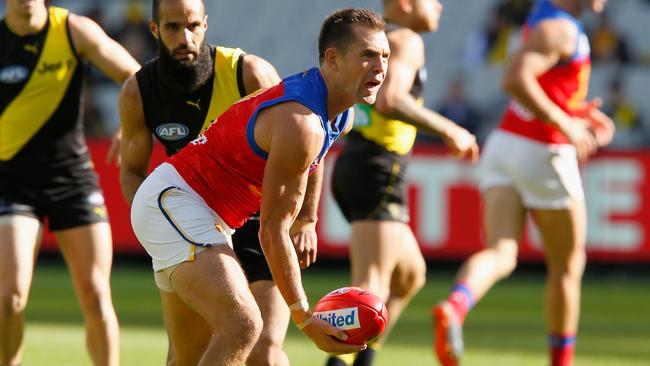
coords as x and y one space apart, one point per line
547 176
173 223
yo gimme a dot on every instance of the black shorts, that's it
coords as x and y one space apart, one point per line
68 198
246 243
368 182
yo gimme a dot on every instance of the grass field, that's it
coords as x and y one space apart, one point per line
507 327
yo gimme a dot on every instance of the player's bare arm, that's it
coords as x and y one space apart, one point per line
258 73
395 101
137 142
293 145
303 229
94 45
550 42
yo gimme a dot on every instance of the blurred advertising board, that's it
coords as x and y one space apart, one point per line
445 207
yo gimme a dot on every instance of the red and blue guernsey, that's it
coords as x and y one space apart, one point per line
225 166
566 83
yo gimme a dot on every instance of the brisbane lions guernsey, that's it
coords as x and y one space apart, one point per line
566 83
225 166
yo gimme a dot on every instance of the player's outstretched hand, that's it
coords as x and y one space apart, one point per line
305 241
113 154
462 144
329 339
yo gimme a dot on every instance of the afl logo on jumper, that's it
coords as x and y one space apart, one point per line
172 131
13 74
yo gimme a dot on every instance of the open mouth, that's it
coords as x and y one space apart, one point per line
373 84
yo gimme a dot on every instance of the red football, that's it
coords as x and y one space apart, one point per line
359 312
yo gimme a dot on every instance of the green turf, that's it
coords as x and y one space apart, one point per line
507 327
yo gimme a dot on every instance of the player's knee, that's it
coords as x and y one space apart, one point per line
411 281
12 303
507 254
267 352
573 268
243 327
95 300
417 278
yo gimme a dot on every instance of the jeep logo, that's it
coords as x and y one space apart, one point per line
347 318
172 131
55 66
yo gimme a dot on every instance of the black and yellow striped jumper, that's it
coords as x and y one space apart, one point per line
45 168
368 181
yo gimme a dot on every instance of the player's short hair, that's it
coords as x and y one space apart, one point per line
336 30
155 10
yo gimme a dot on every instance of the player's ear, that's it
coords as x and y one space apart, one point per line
331 58
153 28
205 22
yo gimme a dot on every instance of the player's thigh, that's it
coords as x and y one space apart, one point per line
88 251
563 233
215 286
188 332
503 215
375 247
275 313
410 269
19 238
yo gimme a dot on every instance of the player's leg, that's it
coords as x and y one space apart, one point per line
504 216
19 238
275 313
564 235
369 187
275 316
167 217
215 286
396 248
503 221
88 252
408 274
189 334
560 215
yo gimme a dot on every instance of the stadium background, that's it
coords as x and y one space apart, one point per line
469 50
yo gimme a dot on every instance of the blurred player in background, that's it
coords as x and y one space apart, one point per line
368 180
530 165
175 97
45 168
257 154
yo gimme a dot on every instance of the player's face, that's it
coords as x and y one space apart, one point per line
24 8
365 63
427 15
181 28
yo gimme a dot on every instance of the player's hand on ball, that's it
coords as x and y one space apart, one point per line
330 339
305 241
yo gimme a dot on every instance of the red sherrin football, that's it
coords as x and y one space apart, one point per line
359 312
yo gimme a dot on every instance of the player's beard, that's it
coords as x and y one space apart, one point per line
184 76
